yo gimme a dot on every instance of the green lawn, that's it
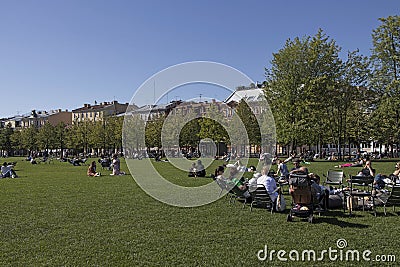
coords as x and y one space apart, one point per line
55 215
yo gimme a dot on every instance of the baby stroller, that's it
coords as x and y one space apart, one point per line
302 200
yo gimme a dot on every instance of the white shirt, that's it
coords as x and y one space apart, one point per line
262 179
5 169
270 186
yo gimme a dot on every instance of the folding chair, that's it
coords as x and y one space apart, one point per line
359 181
393 198
222 184
237 194
261 198
334 177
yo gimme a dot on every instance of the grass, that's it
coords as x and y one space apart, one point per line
55 215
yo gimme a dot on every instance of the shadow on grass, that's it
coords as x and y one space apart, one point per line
333 217
341 223
389 213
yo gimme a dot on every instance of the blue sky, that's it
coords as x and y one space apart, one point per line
62 54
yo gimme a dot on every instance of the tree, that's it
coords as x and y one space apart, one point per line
213 126
153 132
29 139
133 134
61 133
114 132
250 122
16 142
385 79
46 137
298 84
189 135
6 142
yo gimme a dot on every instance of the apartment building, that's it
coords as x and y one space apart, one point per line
37 118
98 112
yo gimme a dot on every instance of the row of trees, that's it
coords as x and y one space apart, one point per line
317 97
106 136
187 131
85 137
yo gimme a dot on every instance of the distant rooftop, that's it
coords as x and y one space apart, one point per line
253 94
102 105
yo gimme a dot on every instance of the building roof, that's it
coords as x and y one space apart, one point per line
248 95
88 107
98 107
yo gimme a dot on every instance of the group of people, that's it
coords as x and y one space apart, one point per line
197 169
115 166
380 180
324 197
233 179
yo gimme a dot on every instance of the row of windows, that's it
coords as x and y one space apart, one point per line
87 115
333 146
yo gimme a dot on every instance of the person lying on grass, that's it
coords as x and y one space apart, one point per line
358 163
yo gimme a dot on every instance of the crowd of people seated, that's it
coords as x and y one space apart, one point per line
322 196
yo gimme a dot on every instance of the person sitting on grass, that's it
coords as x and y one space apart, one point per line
7 171
116 166
192 170
92 170
200 170
296 166
33 160
283 172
